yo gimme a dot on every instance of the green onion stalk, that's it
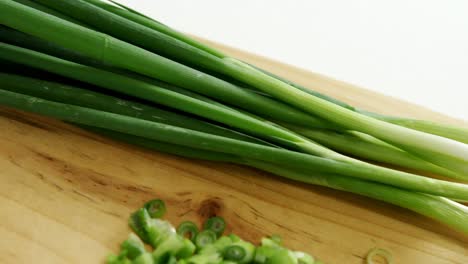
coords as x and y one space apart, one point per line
112 80
369 148
313 148
456 133
144 90
195 139
86 98
445 152
115 52
128 45
91 100
444 130
372 152
159 95
366 150
48 10
20 39
441 209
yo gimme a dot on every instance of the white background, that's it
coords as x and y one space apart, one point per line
415 50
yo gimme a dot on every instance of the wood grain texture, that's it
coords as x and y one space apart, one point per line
65 194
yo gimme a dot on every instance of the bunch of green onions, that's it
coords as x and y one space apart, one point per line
189 245
118 73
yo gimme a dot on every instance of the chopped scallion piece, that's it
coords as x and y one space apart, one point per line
188 229
156 208
216 224
204 238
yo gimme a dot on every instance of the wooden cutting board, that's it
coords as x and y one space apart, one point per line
65 194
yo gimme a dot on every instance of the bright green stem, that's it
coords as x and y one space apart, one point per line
150 37
444 152
444 130
190 138
304 89
146 91
61 93
177 150
47 10
155 25
449 131
131 32
126 56
374 150
441 209
153 36
21 39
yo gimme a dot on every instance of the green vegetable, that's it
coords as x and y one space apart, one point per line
234 238
370 148
145 258
133 246
81 97
26 41
187 249
190 138
172 260
270 242
456 133
126 56
120 259
443 210
49 21
215 224
168 247
444 130
151 23
134 57
164 147
144 90
213 258
187 229
442 151
234 253
47 10
204 238
151 230
218 246
240 252
277 239
155 208
282 256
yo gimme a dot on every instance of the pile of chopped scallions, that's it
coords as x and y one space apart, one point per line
115 72
189 245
